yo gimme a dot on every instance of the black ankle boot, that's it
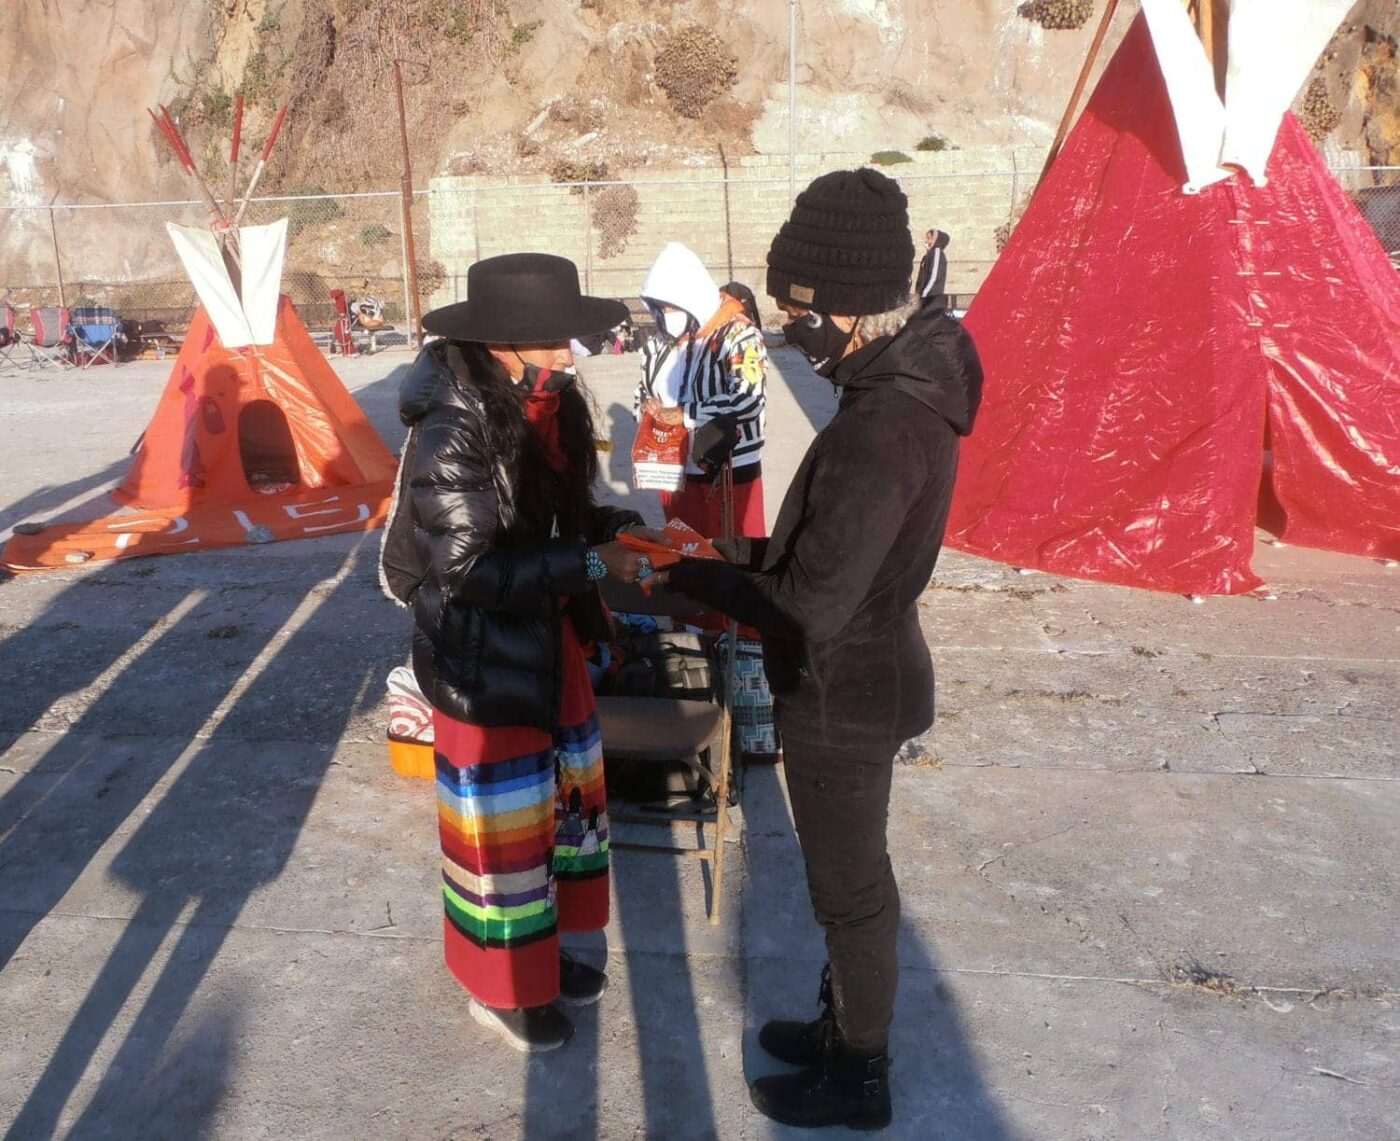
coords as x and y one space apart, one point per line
800 1043
846 1087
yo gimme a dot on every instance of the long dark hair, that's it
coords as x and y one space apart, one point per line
542 495
744 295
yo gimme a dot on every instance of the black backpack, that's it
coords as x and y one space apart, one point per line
664 664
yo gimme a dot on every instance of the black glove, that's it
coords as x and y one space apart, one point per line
715 441
736 551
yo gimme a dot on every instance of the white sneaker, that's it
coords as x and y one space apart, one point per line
531 1029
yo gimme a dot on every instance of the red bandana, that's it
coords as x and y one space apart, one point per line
542 411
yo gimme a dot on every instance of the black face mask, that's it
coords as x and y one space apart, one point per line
820 340
539 381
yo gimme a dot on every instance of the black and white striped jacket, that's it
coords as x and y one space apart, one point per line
724 374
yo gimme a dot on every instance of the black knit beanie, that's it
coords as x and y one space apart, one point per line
846 249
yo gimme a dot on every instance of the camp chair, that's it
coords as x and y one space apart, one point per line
368 315
96 331
9 336
699 734
341 339
52 342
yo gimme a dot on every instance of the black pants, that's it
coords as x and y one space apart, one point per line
840 804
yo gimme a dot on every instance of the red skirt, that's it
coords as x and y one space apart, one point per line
522 816
701 504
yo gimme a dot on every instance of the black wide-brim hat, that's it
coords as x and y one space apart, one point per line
524 299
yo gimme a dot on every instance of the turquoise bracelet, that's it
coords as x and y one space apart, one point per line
593 563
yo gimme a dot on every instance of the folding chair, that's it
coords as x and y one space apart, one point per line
699 734
52 342
663 730
10 340
368 315
96 332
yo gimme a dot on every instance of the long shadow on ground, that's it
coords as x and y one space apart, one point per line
38 504
226 826
672 1093
935 1073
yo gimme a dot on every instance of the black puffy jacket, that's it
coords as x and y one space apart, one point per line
489 587
835 591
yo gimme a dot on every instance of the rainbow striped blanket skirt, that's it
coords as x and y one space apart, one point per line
522 815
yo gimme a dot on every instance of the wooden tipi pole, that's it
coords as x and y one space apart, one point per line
1067 119
233 150
1212 22
167 127
262 164
227 234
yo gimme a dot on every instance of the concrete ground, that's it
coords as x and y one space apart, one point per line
1149 855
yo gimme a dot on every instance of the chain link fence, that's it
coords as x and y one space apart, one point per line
121 255
1376 192
613 230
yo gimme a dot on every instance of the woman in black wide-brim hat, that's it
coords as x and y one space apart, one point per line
495 541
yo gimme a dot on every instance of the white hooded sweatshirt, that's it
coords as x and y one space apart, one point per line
723 374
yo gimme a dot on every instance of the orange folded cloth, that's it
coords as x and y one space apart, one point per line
682 542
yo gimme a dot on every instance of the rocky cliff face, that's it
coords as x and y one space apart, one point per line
560 88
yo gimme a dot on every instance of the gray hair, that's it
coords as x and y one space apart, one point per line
888 323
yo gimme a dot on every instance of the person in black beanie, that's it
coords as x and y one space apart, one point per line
834 593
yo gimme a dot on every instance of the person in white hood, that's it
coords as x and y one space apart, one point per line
705 368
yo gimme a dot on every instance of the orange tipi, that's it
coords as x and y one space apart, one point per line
250 443
234 424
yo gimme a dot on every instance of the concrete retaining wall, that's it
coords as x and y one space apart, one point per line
968 193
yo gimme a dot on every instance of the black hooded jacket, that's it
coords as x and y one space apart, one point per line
933 273
835 590
488 584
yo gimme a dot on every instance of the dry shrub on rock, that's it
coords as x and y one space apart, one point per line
579 170
1058 14
694 69
1319 115
615 218
432 276
1002 234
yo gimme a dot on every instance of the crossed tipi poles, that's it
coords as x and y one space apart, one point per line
225 218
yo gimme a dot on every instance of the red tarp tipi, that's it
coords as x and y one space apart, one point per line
247 445
1144 347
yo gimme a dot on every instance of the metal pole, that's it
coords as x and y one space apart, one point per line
728 221
416 311
476 228
587 240
403 247
57 261
792 100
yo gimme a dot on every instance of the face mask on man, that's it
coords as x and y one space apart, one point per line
820 339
